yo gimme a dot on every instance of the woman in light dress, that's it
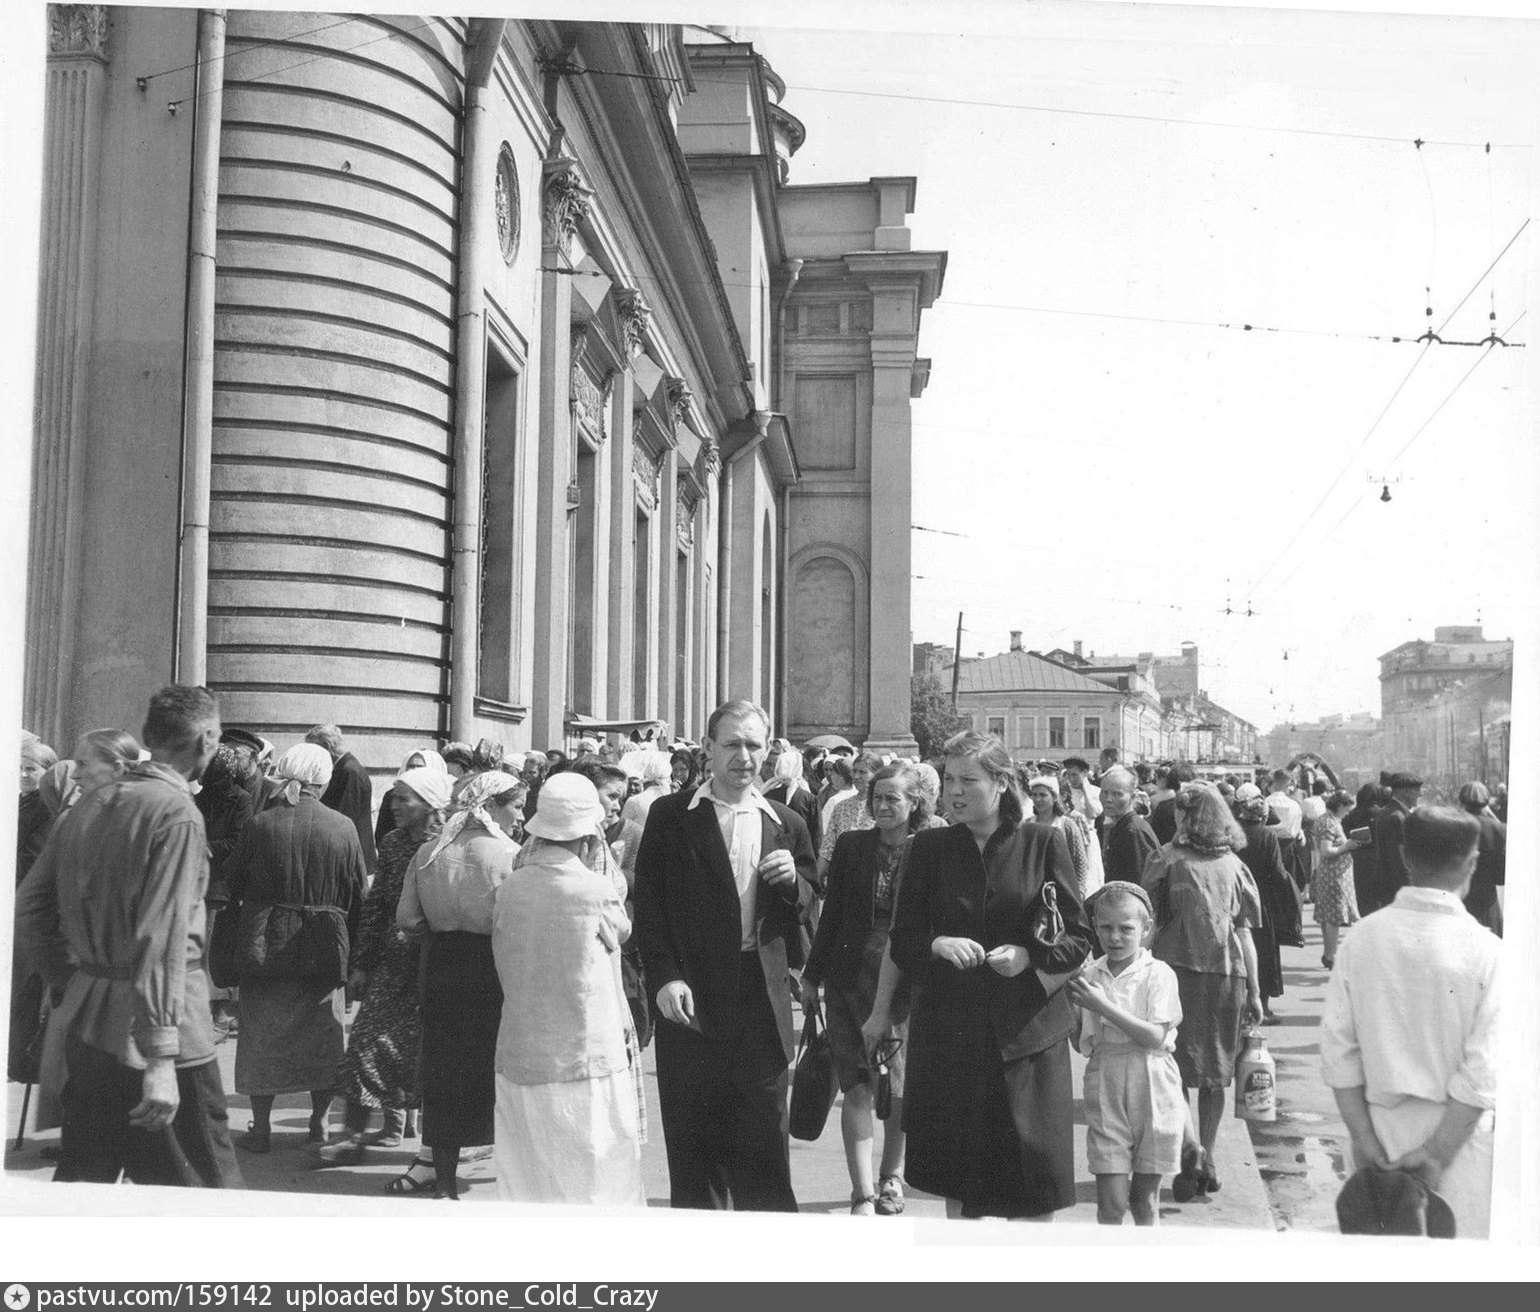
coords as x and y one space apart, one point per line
568 1118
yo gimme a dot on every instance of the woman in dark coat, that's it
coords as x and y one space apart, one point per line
846 959
298 876
1280 904
988 1108
1371 799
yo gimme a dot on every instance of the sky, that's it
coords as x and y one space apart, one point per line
1082 472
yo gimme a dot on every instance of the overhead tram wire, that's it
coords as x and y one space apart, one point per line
174 105
1256 583
1357 502
144 79
1158 118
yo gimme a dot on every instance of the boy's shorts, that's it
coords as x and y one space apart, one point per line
1135 1112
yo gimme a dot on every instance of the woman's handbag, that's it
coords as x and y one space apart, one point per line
283 940
224 946
813 1084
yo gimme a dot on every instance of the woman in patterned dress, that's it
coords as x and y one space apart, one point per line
1336 902
379 1069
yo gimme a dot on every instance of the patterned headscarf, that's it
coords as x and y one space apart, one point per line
303 764
471 804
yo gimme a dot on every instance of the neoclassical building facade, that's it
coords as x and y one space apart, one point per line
448 378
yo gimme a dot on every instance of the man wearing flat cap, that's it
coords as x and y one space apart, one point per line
1389 834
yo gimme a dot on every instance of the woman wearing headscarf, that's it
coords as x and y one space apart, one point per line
1206 903
789 788
298 877
569 1124
448 893
425 758
379 1070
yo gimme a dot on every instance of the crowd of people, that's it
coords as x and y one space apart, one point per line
516 929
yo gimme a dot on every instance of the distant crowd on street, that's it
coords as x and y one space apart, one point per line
515 929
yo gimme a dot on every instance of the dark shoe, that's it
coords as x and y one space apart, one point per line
1210 1180
1188 1182
449 1190
890 1196
418 1178
256 1141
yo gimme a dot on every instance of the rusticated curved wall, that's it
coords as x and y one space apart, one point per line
334 366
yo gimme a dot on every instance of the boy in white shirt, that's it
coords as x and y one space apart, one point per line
1408 1037
1134 1105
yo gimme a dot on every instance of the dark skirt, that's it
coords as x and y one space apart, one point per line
997 1136
1209 1036
846 1007
462 1007
1269 959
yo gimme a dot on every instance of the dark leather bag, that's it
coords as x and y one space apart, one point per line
284 940
813 1083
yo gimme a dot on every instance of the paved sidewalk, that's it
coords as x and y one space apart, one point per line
818 1169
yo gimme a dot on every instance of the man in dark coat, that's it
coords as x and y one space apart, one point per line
350 791
1127 840
722 877
1389 832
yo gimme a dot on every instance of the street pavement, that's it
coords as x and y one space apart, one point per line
818 1169
1304 1155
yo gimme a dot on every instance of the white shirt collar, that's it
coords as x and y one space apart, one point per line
752 800
1138 965
1416 897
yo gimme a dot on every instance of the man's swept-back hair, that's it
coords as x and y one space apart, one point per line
178 713
1438 838
740 709
328 736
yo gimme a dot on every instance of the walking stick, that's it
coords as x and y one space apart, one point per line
21 1130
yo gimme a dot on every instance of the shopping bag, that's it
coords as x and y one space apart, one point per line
812 1083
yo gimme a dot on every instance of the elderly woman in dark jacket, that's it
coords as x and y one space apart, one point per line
988 1108
1280 903
298 876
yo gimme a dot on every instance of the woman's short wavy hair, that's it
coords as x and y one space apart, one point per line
1203 821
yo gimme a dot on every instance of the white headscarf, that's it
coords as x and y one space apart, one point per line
788 769
471 804
433 786
304 763
431 760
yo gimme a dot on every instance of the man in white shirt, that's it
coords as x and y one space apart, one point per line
1409 1033
722 876
1290 830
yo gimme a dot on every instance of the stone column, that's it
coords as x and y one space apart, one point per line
893 354
668 567
566 205
622 525
72 132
